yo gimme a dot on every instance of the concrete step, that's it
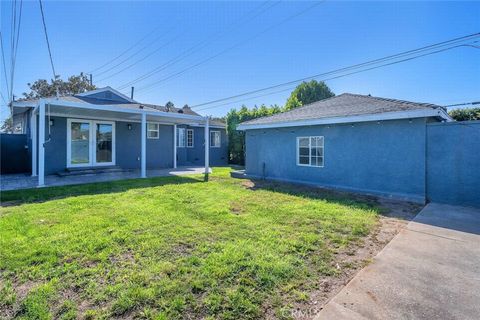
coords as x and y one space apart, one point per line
88 171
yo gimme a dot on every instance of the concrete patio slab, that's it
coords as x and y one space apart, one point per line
430 270
22 181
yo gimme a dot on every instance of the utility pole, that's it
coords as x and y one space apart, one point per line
91 79
131 94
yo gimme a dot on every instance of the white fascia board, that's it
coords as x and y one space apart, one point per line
115 108
421 113
24 104
445 116
118 93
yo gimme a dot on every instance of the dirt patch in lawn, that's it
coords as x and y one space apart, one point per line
394 216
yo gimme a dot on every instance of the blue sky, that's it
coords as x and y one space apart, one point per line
85 35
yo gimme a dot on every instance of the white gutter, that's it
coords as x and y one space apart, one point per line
421 113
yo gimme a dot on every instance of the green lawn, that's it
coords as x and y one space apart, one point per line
171 248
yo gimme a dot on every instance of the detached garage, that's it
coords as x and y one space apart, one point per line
352 142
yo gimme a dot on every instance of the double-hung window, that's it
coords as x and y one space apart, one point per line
153 131
310 151
181 137
215 139
189 138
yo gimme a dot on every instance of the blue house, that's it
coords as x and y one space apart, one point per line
351 142
105 129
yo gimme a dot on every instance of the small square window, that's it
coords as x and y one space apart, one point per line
310 151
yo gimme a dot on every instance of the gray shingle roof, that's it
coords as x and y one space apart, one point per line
343 105
127 105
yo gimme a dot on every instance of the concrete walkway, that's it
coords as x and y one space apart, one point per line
430 270
22 181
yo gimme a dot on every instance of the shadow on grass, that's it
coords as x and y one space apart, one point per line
387 207
18 197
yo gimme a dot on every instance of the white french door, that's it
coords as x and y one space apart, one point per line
90 143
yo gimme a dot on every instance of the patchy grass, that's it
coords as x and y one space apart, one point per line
171 248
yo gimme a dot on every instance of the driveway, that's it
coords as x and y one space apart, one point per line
430 270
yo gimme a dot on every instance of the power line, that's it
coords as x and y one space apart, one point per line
200 45
463 104
133 54
229 48
14 37
449 43
136 62
48 42
4 65
124 52
340 76
15 48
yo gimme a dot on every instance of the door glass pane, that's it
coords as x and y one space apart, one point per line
104 142
80 142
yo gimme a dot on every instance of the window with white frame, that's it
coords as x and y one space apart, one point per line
310 151
189 138
181 137
153 131
215 139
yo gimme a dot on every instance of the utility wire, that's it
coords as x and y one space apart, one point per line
133 54
125 51
173 39
356 66
230 48
463 104
14 37
200 45
15 48
137 61
48 42
332 78
4 65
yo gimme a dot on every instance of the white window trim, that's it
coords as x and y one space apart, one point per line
181 142
186 138
310 152
92 143
157 130
219 139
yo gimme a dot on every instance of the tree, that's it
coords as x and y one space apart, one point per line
308 92
236 139
42 88
7 126
465 114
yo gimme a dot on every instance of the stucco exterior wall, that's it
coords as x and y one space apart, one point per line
128 147
385 158
453 163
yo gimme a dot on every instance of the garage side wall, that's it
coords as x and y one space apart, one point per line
385 158
453 163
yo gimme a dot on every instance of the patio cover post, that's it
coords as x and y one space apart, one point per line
144 146
174 146
41 144
33 135
207 148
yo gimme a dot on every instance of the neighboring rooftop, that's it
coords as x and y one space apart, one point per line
343 105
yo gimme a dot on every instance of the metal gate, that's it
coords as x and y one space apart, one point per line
15 156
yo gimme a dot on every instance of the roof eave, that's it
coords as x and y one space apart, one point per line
115 108
411 114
